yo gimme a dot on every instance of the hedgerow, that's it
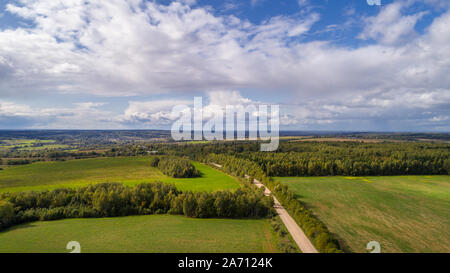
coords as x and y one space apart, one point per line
115 199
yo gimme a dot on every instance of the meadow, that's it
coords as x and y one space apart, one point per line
151 233
128 170
402 213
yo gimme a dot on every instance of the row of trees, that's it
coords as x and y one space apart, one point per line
114 199
315 229
17 161
293 164
174 166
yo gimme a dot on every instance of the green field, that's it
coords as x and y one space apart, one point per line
152 233
30 144
129 170
402 213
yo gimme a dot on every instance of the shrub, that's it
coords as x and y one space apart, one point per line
7 214
175 167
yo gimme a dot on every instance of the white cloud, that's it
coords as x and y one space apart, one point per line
302 3
390 26
125 48
86 115
255 3
231 5
226 97
10 109
439 4
156 112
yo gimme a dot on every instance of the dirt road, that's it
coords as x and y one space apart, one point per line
297 233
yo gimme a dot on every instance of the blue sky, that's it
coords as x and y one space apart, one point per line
123 64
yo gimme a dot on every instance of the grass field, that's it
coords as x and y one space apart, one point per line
30 144
129 170
152 233
402 213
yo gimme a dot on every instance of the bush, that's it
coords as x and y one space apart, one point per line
18 162
285 244
175 167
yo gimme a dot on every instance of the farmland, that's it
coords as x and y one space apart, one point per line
403 213
152 233
129 170
30 144
352 204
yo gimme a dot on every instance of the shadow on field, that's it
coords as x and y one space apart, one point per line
16 227
344 246
200 174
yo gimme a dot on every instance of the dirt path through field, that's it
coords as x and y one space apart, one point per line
296 232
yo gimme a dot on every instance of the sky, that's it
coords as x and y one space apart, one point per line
124 64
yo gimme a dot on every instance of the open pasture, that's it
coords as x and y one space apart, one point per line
128 170
403 213
137 234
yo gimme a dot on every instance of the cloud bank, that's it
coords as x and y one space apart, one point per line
126 48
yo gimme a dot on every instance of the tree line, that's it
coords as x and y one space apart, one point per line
115 199
17 161
315 229
329 158
354 159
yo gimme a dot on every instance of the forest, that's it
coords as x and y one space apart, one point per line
354 159
115 199
328 158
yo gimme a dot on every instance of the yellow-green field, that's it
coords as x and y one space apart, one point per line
151 233
402 213
129 170
30 144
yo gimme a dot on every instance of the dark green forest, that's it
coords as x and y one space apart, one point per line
325 159
115 199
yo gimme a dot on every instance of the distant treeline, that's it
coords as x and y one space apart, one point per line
330 158
354 159
292 158
18 161
115 199
174 166
315 229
